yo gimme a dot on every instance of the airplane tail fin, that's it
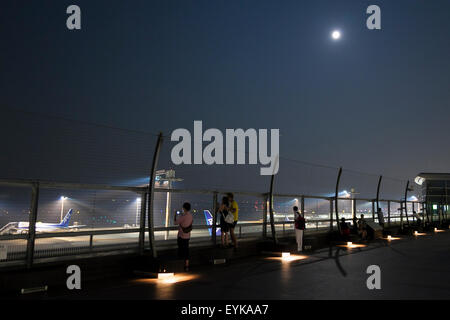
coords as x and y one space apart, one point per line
66 220
209 222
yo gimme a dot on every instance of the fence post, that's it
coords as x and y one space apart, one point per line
32 224
406 203
389 213
264 229
272 224
354 213
214 222
151 189
142 223
331 214
336 198
373 211
302 206
378 197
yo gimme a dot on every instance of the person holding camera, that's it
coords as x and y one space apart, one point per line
184 220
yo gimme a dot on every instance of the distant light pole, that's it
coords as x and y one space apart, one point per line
62 207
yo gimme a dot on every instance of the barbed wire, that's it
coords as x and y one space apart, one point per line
147 133
98 125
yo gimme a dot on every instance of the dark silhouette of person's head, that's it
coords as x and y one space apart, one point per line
187 206
225 201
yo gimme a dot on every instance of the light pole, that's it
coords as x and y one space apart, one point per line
62 207
169 177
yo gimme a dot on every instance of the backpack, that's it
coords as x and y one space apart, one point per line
300 223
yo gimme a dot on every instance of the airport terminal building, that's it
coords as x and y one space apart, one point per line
435 191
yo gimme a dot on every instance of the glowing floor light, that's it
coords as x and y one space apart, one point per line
165 278
351 245
390 238
165 275
287 257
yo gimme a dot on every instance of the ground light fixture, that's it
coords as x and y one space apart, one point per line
351 245
390 238
417 233
288 257
165 275
165 278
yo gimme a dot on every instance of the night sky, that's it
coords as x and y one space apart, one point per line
375 101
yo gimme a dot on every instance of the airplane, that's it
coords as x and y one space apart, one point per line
22 226
209 222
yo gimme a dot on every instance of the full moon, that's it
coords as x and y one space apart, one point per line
335 35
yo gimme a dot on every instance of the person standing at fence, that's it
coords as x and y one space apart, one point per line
184 220
299 228
226 219
234 208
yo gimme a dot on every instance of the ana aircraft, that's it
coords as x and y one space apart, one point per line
22 226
